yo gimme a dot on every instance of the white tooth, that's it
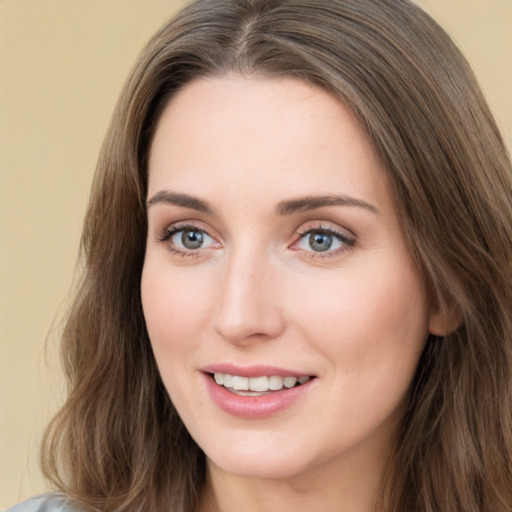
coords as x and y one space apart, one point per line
228 380
303 380
240 383
258 383
275 383
219 378
289 382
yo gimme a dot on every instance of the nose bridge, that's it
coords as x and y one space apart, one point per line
247 306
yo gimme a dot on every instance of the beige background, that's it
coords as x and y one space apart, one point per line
62 64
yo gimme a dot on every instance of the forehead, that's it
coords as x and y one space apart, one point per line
262 134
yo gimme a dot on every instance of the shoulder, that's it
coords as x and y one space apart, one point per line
51 502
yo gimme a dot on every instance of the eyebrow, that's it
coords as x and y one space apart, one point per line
184 200
286 207
307 203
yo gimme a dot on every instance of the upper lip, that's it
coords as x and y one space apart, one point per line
253 370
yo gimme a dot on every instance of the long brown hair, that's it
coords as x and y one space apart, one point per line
117 443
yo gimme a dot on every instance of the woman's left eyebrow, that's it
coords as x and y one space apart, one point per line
303 204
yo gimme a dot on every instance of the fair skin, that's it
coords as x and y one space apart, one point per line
240 278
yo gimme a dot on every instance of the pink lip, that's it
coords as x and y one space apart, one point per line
257 406
251 371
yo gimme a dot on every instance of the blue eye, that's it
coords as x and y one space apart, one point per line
323 241
320 242
189 239
186 240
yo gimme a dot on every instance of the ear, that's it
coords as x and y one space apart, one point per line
445 322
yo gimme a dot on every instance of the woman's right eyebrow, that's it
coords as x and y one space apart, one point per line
178 199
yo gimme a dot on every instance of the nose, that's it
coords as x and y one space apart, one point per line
248 308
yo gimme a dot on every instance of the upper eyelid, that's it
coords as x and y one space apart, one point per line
347 240
323 229
187 224
327 228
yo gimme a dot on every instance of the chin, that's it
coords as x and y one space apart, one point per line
259 468
255 461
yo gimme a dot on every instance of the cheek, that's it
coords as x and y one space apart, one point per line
371 329
176 309
369 322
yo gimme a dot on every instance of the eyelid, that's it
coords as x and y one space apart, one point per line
193 225
346 237
343 234
170 230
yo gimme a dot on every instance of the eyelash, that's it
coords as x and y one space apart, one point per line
177 228
347 241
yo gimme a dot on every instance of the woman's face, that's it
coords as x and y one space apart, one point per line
275 258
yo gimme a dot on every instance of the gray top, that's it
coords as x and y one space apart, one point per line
52 502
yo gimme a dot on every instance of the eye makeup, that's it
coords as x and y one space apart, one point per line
188 239
320 241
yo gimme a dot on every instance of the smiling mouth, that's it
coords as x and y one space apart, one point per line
258 386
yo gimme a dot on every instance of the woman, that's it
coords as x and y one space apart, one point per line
297 274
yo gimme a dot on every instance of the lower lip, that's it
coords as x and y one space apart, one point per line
254 407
